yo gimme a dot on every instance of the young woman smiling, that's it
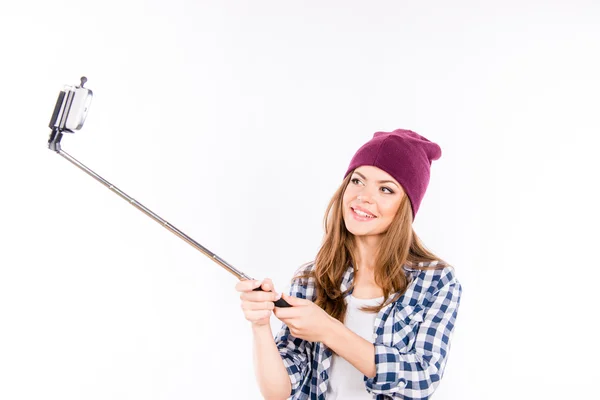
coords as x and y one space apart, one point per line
372 317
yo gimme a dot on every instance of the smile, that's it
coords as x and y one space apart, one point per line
361 215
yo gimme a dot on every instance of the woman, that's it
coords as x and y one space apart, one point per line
372 316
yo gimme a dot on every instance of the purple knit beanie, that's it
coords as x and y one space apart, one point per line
403 154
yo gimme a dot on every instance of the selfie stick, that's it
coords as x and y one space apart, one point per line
69 115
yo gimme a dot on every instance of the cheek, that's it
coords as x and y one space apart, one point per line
389 209
347 197
352 190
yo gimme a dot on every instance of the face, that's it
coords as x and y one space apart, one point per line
371 200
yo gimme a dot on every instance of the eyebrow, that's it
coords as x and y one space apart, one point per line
384 181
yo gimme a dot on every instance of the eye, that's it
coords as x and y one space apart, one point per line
355 181
388 189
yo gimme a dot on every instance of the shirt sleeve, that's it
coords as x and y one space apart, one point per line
294 351
416 374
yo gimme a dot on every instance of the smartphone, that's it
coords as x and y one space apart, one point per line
71 108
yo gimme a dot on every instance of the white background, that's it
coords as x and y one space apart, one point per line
235 121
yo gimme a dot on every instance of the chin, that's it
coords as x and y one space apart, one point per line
358 230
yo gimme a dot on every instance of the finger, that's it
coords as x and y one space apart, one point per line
247 285
253 305
258 296
267 285
291 325
295 301
257 315
287 312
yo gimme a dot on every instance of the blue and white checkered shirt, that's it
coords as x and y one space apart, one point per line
411 337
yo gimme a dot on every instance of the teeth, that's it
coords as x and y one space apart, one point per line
362 214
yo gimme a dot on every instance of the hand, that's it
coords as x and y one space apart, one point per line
257 306
306 320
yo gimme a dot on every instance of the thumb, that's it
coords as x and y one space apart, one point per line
293 301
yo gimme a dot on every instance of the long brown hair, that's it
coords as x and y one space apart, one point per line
399 246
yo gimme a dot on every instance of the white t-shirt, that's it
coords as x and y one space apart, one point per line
345 381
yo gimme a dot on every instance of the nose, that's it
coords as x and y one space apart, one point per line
364 197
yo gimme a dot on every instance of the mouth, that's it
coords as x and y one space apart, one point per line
362 215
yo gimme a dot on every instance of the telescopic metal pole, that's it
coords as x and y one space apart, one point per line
54 144
238 274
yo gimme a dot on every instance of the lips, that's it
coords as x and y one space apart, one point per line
361 212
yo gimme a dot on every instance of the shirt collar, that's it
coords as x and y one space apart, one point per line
348 277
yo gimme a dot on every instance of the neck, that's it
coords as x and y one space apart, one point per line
366 249
364 279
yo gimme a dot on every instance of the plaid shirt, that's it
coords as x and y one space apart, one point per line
411 339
